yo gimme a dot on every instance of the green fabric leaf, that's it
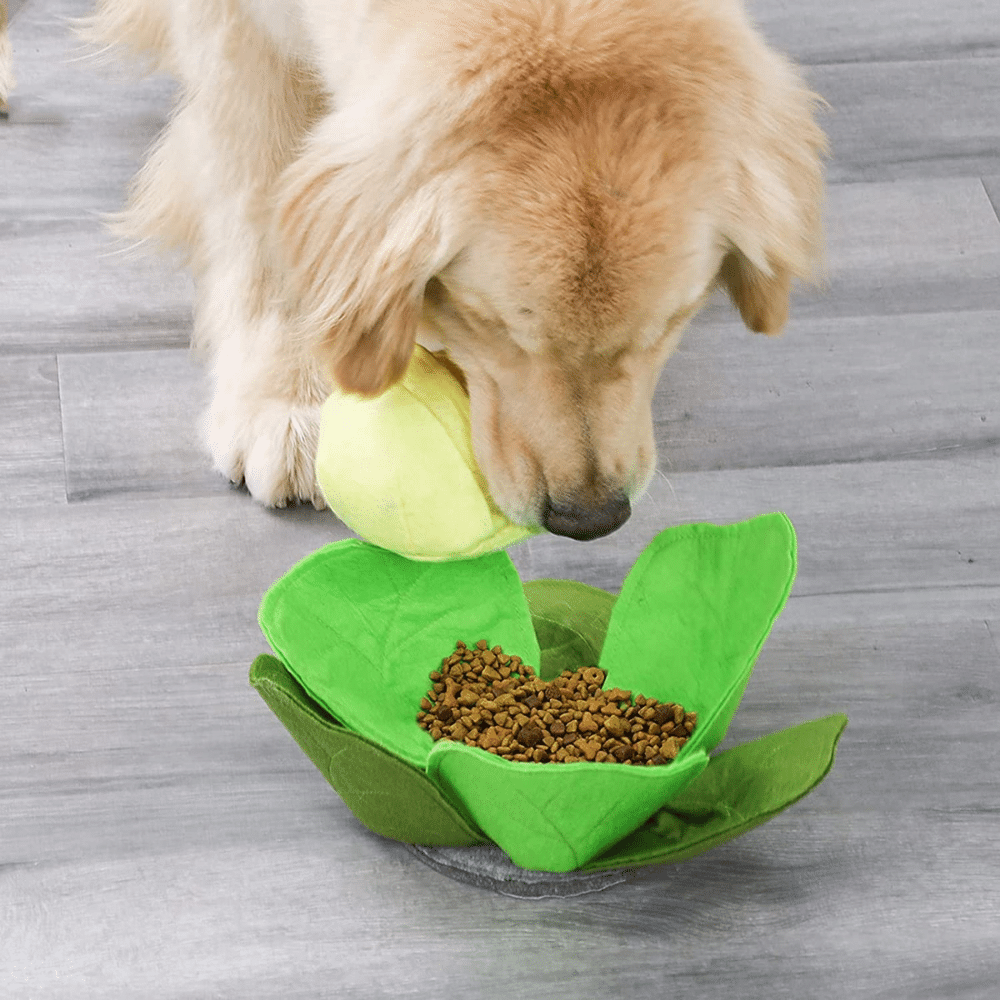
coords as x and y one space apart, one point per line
361 628
387 796
693 614
556 817
740 789
570 621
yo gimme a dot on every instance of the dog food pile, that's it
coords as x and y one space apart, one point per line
487 699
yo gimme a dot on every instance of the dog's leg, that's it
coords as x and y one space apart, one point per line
263 423
6 61
207 187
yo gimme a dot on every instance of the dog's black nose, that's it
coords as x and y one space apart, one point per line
585 523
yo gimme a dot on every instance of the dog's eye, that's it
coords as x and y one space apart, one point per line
525 311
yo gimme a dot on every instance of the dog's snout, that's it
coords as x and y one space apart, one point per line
586 522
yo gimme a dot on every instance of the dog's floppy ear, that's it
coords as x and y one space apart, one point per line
360 242
774 227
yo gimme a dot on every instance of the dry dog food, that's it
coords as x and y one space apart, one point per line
484 698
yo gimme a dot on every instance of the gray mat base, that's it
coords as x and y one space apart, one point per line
486 866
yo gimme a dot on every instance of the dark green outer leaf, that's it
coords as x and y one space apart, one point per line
389 796
741 788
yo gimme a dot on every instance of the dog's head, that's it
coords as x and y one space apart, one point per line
580 187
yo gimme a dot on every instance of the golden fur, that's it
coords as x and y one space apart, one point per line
6 60
555 185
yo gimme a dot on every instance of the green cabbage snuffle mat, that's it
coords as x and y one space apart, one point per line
357 629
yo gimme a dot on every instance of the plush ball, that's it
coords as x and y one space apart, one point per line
399 470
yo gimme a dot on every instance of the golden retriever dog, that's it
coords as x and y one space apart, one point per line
545 191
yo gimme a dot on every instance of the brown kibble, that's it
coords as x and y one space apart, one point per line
530 734
491 738
616 726
617 694
662 714
473 699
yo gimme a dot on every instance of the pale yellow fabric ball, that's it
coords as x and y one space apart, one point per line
400 472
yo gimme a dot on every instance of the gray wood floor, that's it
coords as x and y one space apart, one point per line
161 836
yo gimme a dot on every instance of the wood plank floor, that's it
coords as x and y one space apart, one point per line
160 834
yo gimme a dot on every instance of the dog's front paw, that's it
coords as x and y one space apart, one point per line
271 449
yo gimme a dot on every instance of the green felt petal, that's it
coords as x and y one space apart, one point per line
556 817
387 796
741 788
360 628
578 607
693 614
